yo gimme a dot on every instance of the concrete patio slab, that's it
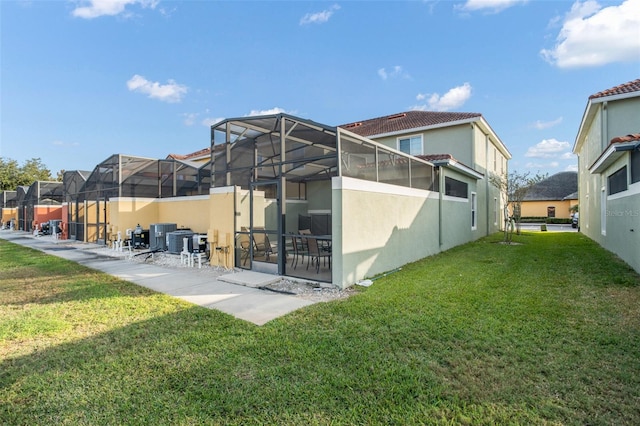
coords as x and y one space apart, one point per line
236 294
250 279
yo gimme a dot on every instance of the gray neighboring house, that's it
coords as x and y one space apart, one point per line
608 149
552 197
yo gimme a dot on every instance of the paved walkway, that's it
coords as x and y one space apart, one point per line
236 294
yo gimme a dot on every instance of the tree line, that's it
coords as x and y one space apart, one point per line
13 174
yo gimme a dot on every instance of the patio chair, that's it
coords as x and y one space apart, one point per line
243 241
299 250
261 243
316 253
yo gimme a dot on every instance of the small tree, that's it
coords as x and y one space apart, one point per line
513 188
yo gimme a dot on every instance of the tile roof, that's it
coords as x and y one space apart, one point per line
405 121
628 138
436 157
630 87
200 153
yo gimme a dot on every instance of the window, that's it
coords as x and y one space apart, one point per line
551 211
617 182
455 188
411 145
635 165
474 210
495 159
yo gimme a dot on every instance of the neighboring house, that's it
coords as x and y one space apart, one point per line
553 197
608 149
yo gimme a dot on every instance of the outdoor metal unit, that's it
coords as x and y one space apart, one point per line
158 235
199 243
175 241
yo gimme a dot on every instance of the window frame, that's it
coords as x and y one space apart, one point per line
615 180
474 211
409 138
634 162
448 180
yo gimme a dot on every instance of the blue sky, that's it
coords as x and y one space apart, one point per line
81 80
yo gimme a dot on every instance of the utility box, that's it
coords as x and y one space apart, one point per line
158 235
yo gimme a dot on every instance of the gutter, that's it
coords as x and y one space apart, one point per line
609 154
465 170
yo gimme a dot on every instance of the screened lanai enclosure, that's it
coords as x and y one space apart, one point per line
42 202
285 218
8 204
127 176
73 183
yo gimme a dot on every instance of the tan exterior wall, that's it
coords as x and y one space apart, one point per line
9 213
405 221
221 231
125 213
186 212
539 208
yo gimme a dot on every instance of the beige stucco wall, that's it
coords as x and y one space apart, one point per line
9 213
539 208
125 213
379 227
186 212
221 232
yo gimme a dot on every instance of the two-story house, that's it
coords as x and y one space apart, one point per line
608 149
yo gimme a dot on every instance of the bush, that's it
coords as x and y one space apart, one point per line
535 219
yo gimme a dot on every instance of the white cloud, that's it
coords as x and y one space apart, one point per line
271 111
90 9
493 6
171 92
549 165
396 71
211 121
571 168
254 112
541 125
548 148
568 156
190 118
593 36
319 17
454 98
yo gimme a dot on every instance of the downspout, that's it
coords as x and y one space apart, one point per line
282 198
487 196
440 201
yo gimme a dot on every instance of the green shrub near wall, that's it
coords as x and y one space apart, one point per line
534 219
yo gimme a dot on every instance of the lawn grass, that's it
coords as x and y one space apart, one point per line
546 331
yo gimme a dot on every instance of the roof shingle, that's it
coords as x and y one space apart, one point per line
629 87
556 187
405 121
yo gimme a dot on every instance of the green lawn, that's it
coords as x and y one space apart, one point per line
543 332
